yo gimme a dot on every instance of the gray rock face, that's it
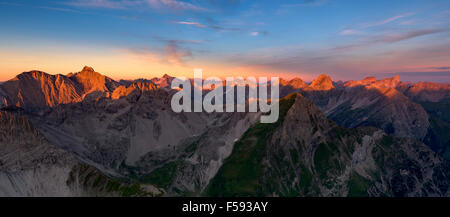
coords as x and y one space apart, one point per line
426 91
308 155
418 111
31 166
400 109
138 133
386 109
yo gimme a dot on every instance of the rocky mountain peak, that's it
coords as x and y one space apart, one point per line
397 78
428 91
91 81
284 82
144 86
164 81
33 75
389 82
297 83
136 86
322 82
372 82
369 79
166 76
88 72
305 114
88 69
36 89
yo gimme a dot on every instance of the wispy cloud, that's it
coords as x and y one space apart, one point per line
109 4
350 32
221 28
396 37
60 9
171 54
176 5
360 29
392 19
212 26
445 74
171 5
170 51
388 38
441 68
385 21
175 54
192 24
258 33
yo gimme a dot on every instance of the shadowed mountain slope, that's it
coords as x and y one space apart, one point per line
106 135
31 166
305 154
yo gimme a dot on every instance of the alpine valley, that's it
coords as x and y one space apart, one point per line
84 134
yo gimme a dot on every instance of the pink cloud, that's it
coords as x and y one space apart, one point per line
192 23
350 32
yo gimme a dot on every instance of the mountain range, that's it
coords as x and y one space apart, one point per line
84 134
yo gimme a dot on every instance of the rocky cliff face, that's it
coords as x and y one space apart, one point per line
435 99
385 108
390 105
31 166
91 81
135 134
305 154
38 91
428 91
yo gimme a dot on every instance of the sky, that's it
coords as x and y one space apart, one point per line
130 39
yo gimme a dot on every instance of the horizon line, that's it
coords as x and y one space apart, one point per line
386 76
